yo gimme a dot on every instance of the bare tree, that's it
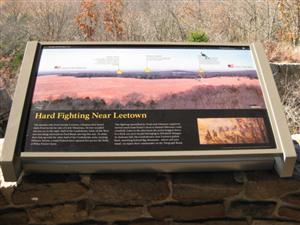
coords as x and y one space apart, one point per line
52 20
290 97
13 32
290 17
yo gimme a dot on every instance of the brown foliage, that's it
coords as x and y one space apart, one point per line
87 18
280 52
112 19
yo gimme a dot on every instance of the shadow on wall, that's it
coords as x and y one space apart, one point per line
296 140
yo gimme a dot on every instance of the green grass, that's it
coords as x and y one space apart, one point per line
17 60
198 36
2 64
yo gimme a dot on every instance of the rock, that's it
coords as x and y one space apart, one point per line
66 213
290 213
13 216
263 185
46 189
88 222
129 189
187 212
251 209
240 177
3 201
144 221
217 222
167 222
225 222
273 222
111 214
293 199
204 186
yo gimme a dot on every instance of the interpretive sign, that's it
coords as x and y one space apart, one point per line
121 107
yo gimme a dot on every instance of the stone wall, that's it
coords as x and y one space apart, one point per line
242 198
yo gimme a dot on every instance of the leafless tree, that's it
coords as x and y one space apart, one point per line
52 20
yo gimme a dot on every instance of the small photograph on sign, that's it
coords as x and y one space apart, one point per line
250 130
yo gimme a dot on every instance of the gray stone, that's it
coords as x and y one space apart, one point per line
204 186
187 212
290 213
66 213
263 185
251 209
110 214
292 198
3 201
13 216
129 189
273 222
46 189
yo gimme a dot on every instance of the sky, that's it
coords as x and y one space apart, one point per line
137 59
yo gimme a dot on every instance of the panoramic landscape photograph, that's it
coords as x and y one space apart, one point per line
232 131
146 78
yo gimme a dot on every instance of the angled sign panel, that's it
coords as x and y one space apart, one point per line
94 107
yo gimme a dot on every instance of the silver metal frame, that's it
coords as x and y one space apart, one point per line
282 158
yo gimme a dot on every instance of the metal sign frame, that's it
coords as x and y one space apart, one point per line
14 160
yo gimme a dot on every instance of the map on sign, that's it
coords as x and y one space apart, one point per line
160 99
